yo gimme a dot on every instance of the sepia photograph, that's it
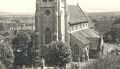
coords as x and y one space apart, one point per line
59 34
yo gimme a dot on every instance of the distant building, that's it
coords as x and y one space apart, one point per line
12 23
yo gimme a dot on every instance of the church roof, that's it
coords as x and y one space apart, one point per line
85 37
80 37
89 33
76 15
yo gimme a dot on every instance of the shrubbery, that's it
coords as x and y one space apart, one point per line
22 48
6 56
109 62
58 54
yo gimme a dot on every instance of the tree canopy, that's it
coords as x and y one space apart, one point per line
58 54
22 48
113 36
6 56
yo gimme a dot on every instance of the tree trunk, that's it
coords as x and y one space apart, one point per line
42 67
65 66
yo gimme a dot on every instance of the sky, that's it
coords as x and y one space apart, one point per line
28 6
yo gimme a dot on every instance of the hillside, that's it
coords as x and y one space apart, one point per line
103 13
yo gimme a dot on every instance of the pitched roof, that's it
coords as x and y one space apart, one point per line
76 15
83 36
89 33
80 37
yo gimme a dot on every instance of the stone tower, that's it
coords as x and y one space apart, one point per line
51 21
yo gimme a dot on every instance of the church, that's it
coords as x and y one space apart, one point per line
56 20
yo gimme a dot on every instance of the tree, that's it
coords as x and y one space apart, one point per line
22 49
113 36
58 54
7 56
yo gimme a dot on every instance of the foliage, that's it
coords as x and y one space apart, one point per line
22 48
58 54
109 62
7 57
112 37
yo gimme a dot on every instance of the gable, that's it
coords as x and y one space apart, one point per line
76 15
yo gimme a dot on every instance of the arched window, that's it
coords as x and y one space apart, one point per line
47 36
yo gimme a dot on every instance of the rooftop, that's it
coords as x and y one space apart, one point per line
80 37
76 15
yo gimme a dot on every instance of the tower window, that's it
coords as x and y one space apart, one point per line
47 36
47 12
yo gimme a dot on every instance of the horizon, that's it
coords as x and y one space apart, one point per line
19 13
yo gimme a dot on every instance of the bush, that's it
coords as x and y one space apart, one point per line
22 46
7 56
109 62
58 54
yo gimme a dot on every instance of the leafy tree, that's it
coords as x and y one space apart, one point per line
22 48
6 56
113 36
58 54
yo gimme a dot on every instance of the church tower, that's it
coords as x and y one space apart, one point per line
51 21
